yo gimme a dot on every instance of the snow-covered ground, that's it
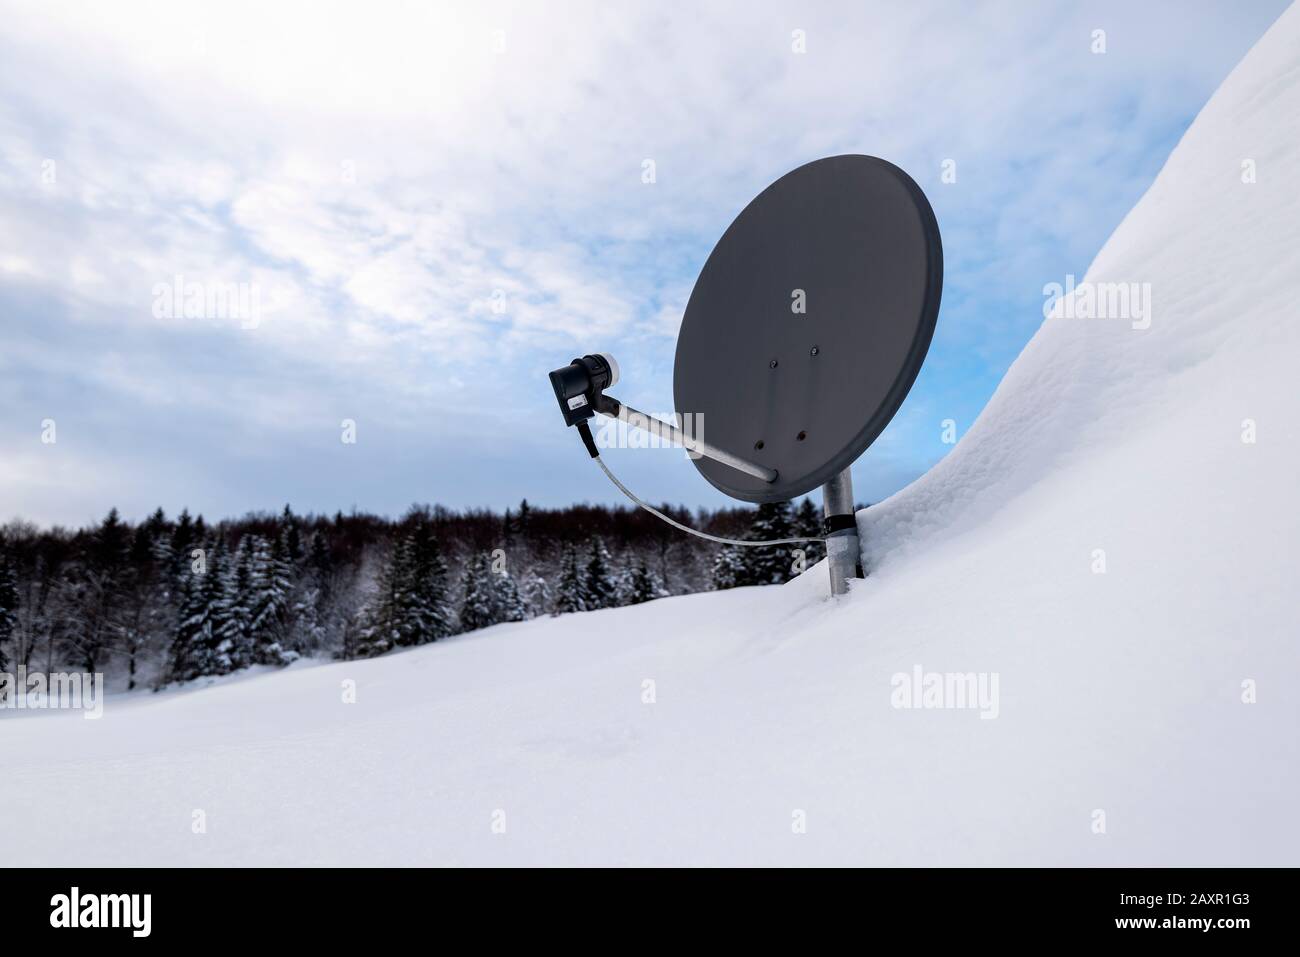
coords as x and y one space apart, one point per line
771 736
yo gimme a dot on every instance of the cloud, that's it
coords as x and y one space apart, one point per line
437 203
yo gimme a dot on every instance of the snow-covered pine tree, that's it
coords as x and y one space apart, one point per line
110 544
182 542
506 601
625 567
215 658
146 597
318 555
156 524
380 622
271 587
536 595
292 535
197 644
350 640
644 584
426 606
768 565
570 593
306 630
599 588
728 568
94 588
163 556
235 631
312 612
189 621
477 605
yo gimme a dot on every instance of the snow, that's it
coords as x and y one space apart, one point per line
1118 692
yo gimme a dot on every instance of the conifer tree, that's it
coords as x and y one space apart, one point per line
310 606
156 524
768 565
164 559
197 647
536 595
623 567
95 589
317 553
215 657
182 539
235 630
508 605
306 632
728 568
425 607
182 666
292 535
350 645
271 585
571 590
380 623
477 609
319 559
644 584
599 588
146 596
111 544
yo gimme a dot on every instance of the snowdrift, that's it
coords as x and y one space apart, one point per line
1113 542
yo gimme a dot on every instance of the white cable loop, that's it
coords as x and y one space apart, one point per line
698 534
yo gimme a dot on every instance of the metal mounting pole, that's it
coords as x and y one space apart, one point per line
843 553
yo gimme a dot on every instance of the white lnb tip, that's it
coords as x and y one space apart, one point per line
613 368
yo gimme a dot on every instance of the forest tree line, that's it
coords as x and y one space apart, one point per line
170 600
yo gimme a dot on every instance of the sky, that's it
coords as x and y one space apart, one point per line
428 206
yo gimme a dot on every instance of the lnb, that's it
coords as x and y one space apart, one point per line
579 384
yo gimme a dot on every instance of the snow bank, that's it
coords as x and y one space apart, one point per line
760 726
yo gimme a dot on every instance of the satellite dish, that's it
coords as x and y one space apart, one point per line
802 337
809 323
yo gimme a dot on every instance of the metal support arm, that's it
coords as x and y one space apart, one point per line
614 409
